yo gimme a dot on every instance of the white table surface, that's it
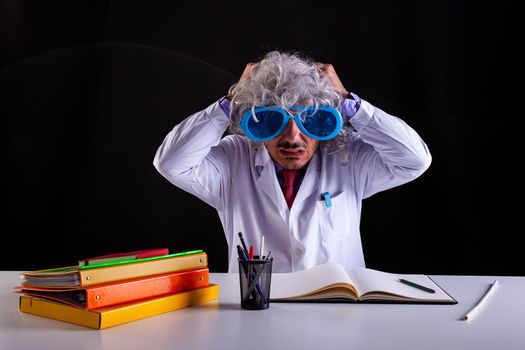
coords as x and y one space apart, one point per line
223 324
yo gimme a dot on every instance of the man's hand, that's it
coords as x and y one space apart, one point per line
245 75
329 71
246 72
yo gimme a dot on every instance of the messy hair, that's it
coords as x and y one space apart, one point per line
286 79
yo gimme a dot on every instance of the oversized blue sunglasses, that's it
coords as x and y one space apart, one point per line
265 123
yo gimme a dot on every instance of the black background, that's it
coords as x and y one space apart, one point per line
88 90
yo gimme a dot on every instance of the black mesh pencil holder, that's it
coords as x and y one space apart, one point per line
255 278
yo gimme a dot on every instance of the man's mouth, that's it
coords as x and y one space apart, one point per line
292 152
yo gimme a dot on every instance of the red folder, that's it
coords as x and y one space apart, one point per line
138 254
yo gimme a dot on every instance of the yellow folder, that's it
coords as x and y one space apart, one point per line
75 277
115 315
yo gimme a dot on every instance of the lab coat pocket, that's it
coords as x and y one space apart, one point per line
334 220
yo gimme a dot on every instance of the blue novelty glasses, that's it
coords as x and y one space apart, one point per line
265 123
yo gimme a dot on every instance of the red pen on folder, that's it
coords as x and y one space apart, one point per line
250 257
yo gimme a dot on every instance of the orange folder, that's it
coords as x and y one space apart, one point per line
123 291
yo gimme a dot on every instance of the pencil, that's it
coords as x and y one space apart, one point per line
476 309
243 244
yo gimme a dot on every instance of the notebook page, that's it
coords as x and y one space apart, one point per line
290 284
369 280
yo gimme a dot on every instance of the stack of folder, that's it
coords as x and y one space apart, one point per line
110 290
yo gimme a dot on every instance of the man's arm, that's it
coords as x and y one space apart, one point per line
192 158
387 152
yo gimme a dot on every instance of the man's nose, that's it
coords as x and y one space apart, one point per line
292 132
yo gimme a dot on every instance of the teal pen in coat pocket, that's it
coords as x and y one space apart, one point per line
327 199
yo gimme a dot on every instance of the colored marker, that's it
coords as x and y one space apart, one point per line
250 257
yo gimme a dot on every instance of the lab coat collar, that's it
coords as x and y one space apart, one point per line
262 157
267 180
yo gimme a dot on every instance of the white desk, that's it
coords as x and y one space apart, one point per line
223 325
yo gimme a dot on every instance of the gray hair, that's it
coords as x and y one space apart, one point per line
287 79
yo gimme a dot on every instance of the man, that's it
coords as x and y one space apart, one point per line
302 155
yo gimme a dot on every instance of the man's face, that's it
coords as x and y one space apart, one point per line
292 149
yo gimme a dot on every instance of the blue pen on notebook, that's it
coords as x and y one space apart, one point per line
327 199
418 286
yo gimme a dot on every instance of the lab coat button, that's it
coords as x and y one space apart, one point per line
298 251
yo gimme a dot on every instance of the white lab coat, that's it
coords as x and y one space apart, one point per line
240 182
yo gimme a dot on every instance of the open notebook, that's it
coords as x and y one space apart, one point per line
330 282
